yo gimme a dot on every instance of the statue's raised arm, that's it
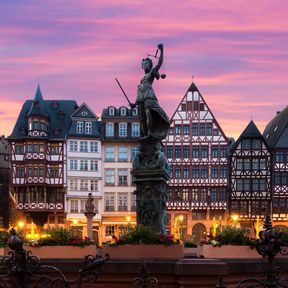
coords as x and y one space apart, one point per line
160 59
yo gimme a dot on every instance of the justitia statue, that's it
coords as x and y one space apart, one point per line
150 166
153 120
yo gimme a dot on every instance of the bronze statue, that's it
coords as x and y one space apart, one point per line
153 119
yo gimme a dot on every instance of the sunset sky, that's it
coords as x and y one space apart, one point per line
237 52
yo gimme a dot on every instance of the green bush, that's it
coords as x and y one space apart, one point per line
234 236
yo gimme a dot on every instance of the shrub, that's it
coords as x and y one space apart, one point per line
143 235
234 236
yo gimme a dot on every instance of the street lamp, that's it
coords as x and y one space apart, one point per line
20 224
75 221
235 218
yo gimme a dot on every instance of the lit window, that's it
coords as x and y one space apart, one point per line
73 206
122 201
109 202
83 185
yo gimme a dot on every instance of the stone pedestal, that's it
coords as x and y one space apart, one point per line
89 216
150 173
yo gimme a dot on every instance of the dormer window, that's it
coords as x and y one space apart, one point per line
84 113
88 127
35 125
43 126
123 111
80 127
135 112
111 111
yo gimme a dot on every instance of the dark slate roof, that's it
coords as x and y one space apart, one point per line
38 106
96 130
272 134
250 132
58 113
193 87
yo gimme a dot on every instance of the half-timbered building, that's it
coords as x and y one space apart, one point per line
276 136
197 150
250 177
38 159
121 131
84 168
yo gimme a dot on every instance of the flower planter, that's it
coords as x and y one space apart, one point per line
144 251
60 252
228 251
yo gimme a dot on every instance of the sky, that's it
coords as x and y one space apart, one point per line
235 51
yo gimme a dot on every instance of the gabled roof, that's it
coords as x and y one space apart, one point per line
275 128
84 111
38 105
250 132
58 114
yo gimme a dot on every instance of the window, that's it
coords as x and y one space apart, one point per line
73 165
109 153
209 129
30 171
82 205
196 105
256 144
280 157
202 106
35 125
246 164
178 151
54 171
29 148
83 146
246 185
195 172
186 129
122 129
93 185
135 112
135 130
222 195
246 144
195 129
109 130
20 171
169 151
122 153
109 201
123 177
204 172
19 149
88 127
214 195
178 172
123 111
35 148
54 149
35 173
195 151
204 151
109 230
202 129
215 132
133 201
110 176
223 171
198 215
262 164
43 126
186 172
186 151
239 164
79 128
84 165
214 151
111 111
123 202
134 150
178 129
73 206
94 165
239 185
73 183
223 151
93 147
73 146
41 171
83 185
214 172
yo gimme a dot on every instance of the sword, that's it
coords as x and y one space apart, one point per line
123 91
